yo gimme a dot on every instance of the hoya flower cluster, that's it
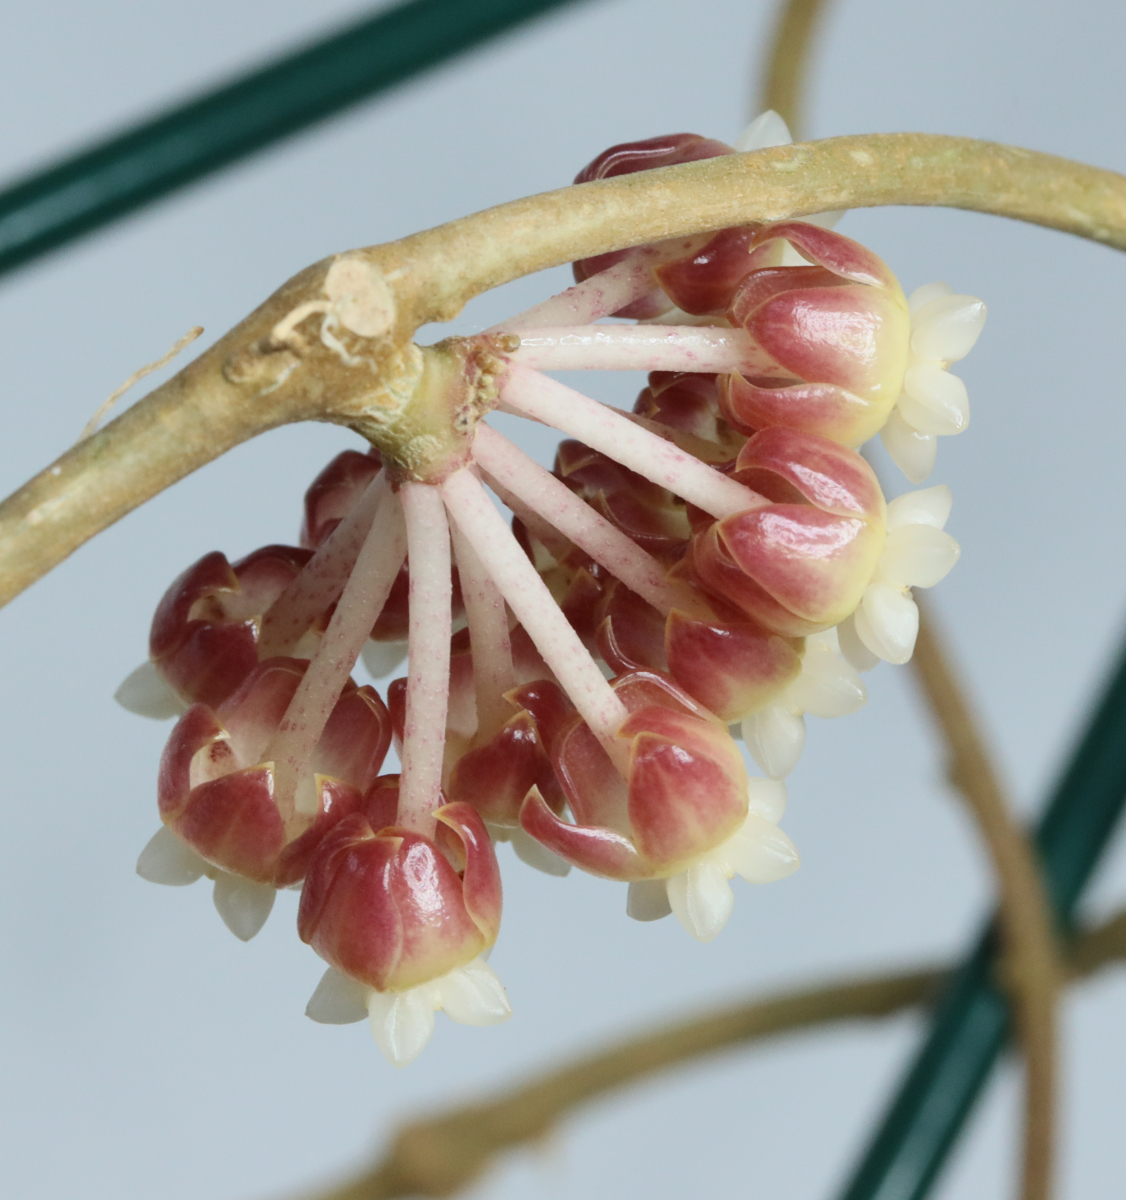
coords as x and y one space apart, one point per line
719 561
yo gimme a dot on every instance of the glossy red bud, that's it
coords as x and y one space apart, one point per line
733 668
217 795
204 635
387 908
626 158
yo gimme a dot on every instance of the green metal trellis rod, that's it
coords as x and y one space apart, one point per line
82 193
970 1023
113 178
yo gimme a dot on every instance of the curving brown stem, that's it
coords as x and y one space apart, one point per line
1026 919
441 1154
787 61
271 370
1032 974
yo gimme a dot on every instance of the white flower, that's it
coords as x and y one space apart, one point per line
918 553
403 1022
828 686
944 328
701 896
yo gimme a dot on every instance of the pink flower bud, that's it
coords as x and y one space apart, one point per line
651 515
831 338
335 491
734 667
686 792
217 795
689 404
204 636
388 908
668 150
631 633
495 777
627 158
703 282
801 564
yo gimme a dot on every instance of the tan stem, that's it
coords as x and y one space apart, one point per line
787 61
441 1154
355 364
1032 973
1029 937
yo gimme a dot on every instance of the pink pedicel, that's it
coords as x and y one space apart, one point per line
217 796
392 909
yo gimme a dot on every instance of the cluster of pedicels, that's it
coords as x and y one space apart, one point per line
721 558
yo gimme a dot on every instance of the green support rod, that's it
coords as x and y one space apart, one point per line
969 1026
55 206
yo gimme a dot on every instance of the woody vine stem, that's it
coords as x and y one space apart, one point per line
250 382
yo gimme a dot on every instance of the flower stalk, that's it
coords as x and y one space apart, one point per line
601 428
360 604
428 555
535 609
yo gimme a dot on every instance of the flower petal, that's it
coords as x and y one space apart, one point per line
648 900
768 129
925 294
529 851
337 1000
930 506
243 904
165 859
473 995
918 556
911 451
146 693
934 401
766 798
946 327
702 899
853 648
888 623
775 737
402 1022
760 852
829 685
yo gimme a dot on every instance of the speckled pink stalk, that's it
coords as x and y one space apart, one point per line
599 296
573 517
361 602
428 675
493 674
634 348
322 578
601 428
553 541
535 608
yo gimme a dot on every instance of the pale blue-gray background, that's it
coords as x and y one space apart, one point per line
143 1051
